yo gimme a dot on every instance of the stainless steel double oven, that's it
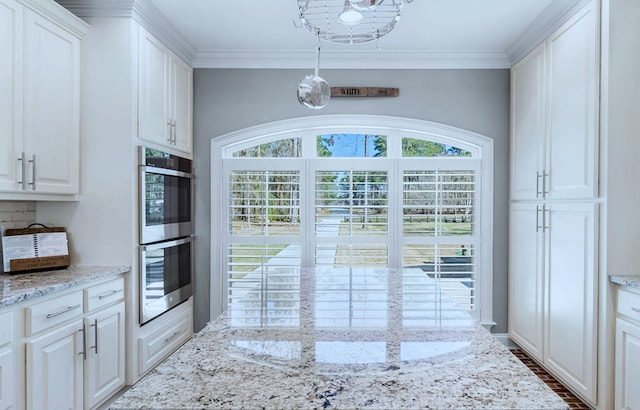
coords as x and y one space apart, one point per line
166 231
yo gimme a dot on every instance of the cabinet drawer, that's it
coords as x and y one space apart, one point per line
156 346
53 312
629 304
104 294
6 324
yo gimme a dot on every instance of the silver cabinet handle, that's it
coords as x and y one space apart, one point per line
94 325
83 353
635 309
63 311
23 167
538 191
107 294
33 172
538 226
173 128
545 220
173 336
170 137
545 183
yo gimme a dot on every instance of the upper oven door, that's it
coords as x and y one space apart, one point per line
166 204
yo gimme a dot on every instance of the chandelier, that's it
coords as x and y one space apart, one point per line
346 22
350 21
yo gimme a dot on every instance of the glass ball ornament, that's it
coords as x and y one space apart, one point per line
314 92
365 5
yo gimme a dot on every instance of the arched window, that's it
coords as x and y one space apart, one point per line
354 191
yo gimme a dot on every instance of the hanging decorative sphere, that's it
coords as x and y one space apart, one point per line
364 5
314 92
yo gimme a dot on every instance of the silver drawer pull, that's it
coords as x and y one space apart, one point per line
173 336
107 294
635 309
63 311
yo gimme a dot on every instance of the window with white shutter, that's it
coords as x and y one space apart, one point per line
410 201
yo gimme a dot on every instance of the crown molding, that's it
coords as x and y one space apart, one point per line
59 15
144 13
555 15
331 59
99 8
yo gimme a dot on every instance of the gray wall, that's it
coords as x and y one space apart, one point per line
230 99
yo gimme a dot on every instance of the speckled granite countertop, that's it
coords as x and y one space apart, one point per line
25 286
367 338
626 280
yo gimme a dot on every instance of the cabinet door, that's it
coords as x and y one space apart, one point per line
54 369
627 365
154 120
104 368
7 375
182 102
11 32
52 98
526 278
573 108
571 332
528 126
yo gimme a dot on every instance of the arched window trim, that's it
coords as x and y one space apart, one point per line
308 128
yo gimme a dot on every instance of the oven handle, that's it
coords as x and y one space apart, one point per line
164 171
166 244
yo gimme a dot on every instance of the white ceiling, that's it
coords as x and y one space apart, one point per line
263 33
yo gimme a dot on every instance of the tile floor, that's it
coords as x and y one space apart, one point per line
573 401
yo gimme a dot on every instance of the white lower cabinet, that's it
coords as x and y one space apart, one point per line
75 360
570 296
627 353
54 368
105 365
161 341
552 289
7 358
7 377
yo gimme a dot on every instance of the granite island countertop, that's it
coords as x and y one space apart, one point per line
20 287
340 338
626 280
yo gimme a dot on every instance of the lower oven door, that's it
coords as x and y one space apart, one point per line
165 276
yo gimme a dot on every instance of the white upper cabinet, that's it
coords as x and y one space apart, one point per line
153 95
554 114
528 126
39 101
52 98
182 99
11 33
572 123
165 95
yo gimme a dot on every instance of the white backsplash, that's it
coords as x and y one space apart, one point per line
15 215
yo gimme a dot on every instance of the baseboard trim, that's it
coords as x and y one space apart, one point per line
504 339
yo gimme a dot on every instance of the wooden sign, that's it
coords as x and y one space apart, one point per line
364 92
40 263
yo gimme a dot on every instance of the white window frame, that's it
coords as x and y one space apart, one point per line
308 128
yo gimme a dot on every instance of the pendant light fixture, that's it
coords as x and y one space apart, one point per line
350 15
345 22
364 5
350 21
313 91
